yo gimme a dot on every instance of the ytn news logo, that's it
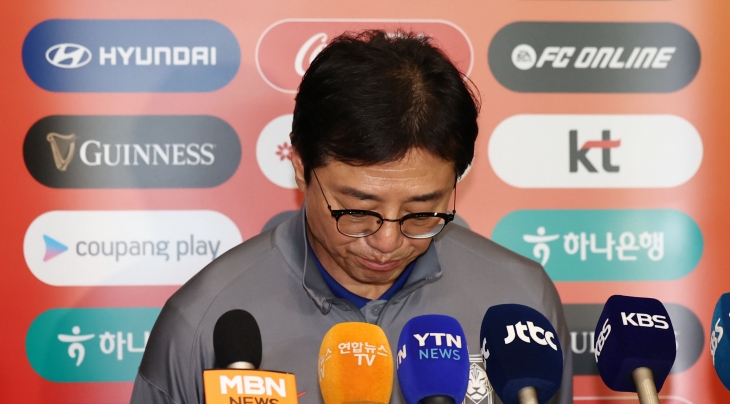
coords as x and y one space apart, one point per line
131 55
131 151
594 57
595 151
287 48
582 319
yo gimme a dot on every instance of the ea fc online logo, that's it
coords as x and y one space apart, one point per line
524 57
68 55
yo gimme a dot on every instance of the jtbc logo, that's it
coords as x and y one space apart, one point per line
579 155
535 331
715 338
645 320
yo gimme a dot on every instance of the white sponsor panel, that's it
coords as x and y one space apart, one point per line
273 152
116 248
595 151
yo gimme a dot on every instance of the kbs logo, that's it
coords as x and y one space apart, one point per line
645 320
586 345
89 345
113 248
131 151
594 57
602 337
536 333
287 48
595 151
131 55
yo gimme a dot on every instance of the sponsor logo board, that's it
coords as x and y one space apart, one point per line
595 151
584 57
89 345
115 248
604 245
582 319
131 151
286 49
131 55
273 152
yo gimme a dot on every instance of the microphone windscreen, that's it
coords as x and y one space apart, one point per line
719 345
355 365
520 349
237 338
433 359
633 332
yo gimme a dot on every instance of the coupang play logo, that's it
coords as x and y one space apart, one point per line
131 55
604 245
594 57
286 49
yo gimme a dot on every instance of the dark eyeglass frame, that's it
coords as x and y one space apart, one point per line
338 213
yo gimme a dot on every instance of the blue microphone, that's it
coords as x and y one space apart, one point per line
719 345
522 354
433 360
635 345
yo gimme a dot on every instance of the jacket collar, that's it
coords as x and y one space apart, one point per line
290 238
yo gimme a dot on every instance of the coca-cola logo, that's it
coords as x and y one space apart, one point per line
286 49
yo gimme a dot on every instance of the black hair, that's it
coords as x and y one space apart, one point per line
370 97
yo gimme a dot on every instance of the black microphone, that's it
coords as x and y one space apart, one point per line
238 352
237 341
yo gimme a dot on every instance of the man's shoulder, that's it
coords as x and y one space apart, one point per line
207 284
468 247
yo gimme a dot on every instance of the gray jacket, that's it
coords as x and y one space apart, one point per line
273 277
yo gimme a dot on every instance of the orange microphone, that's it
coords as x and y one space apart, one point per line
355 365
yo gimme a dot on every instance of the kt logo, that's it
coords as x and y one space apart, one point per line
578 155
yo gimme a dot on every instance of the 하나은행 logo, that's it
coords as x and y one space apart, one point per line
586 57
131 55
604 245
89 345
287 48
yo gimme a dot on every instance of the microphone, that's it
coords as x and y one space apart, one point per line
237 341
238 349
635 346
355 365
522 354
719 345
433 360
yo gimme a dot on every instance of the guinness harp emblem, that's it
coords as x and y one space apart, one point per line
63 147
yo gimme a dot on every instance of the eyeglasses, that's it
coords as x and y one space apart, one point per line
363 223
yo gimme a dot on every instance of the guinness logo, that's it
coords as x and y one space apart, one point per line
195 151
63 147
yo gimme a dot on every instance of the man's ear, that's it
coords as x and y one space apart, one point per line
296 161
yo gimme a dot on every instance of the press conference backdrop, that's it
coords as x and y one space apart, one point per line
141 140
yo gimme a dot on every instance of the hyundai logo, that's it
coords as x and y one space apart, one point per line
68 55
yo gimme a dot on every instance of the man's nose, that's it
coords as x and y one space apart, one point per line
388 238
